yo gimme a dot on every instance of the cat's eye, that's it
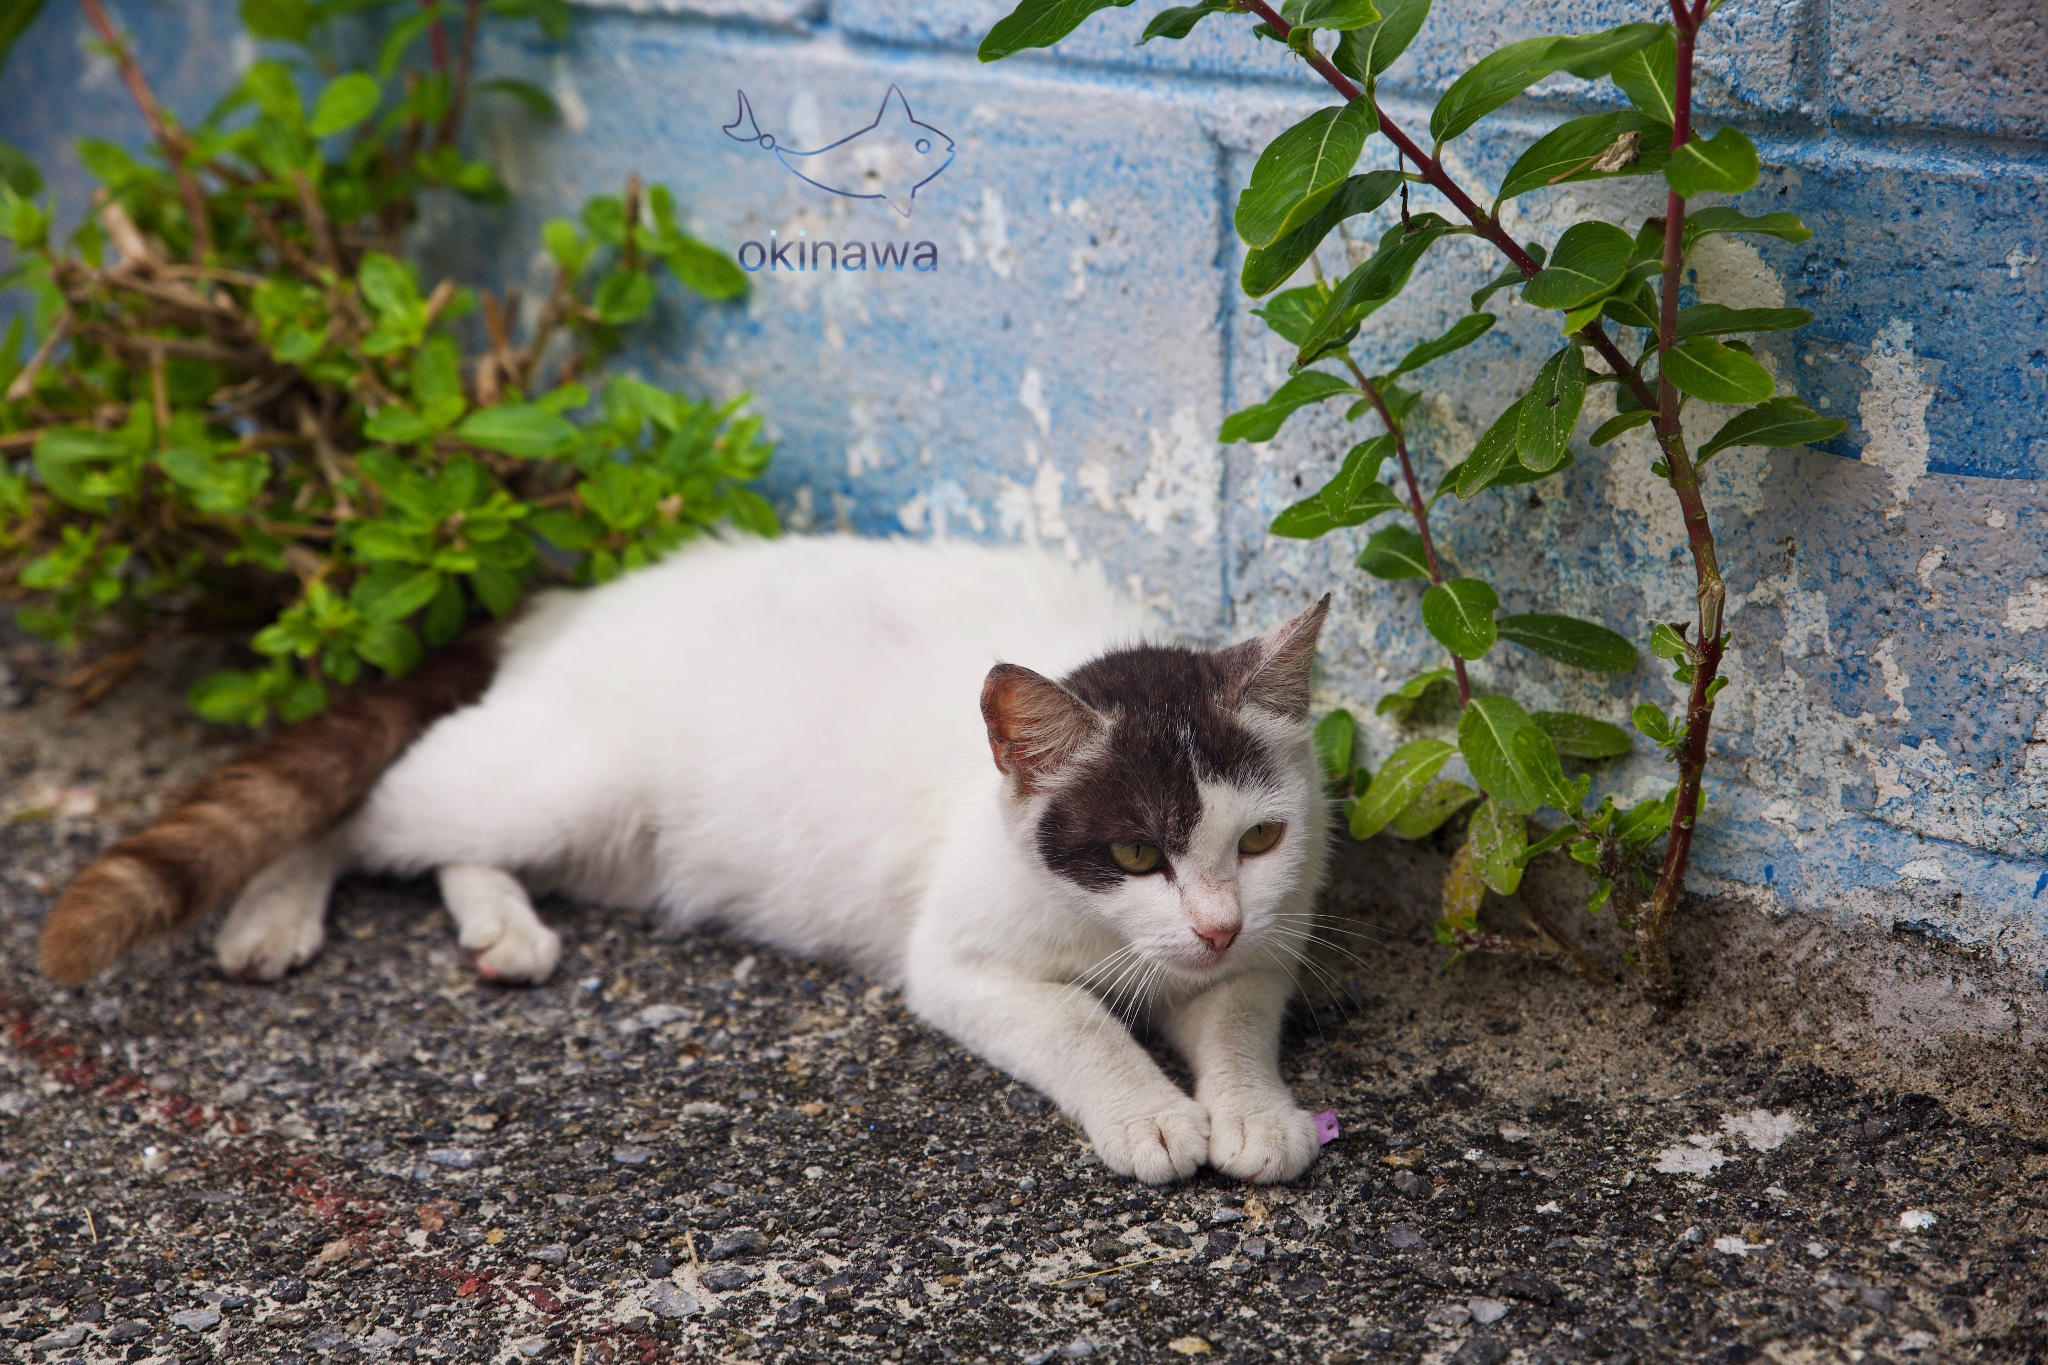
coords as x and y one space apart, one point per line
1260 837
1137 859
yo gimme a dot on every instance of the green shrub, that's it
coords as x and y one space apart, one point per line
244 402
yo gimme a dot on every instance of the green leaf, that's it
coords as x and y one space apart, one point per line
230 698
402 36
1353 497
1653 723
17 172
1335 15
1579 736
537 101
1267 268
1501 76
1619 423
1301 170
1570 641
1364 53
1589 261
704 268
518 429
1409 695
1394 552
1498 838
1714 373
15 17
1782 422
1597 147
1510 278
497 589
347 101
1550 410
390 646
1262 421
1726 163
1038 23
1431 806
1406 772
1649 77
752 513
1334 737
1720 218
285 21
394 592
1180 21
623 296
1463 333
1380 279
1494 453
1459 613
1506 753
1641 824
1711 319
85 469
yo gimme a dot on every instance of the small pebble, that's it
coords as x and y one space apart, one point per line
197 1319
1487 1311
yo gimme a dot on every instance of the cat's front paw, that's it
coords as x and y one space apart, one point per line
1265 1143
1158 1147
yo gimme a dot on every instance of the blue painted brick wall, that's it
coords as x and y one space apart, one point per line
1883 751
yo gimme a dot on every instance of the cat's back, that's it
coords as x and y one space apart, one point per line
800 719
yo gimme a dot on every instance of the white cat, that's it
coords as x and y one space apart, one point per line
782 737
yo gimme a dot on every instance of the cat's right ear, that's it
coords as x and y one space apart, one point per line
1035 726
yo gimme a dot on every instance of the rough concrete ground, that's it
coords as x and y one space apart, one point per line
695 1149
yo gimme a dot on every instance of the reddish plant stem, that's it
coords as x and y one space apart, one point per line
437 41
1416 505
1594 334
176 147
465 65
1654 924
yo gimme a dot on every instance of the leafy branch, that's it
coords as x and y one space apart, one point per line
1302 188
245 405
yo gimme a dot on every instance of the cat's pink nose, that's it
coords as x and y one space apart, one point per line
1220 938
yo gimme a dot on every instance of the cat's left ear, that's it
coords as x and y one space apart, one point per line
1276 665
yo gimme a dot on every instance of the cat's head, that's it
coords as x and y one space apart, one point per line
1174 793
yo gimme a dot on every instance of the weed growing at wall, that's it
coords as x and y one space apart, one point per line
240 398
1615 287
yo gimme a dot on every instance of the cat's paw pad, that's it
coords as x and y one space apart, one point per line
1159 1147
1262 1145
518 951
262 941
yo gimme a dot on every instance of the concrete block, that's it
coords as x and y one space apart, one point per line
1755 56
1055 378
1977 66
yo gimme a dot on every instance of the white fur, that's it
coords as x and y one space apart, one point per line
785 737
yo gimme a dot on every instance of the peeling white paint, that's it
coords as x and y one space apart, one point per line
1896 679
1929 562
1732 272
911 515
1893 410
1032 395
1995 518
2025 611
568 99
1886 775
1179 485
1094 479
1924 870
995 233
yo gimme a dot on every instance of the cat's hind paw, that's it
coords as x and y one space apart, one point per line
1160 1147
1265 1146
278 922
